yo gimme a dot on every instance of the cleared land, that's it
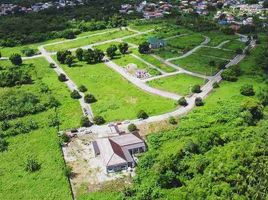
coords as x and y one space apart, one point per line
234 45
218 37
43 144
117 98
180 83
217 53
89 40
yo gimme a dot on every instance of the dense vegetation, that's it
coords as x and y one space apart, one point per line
218 151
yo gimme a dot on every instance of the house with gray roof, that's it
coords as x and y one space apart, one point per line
117 152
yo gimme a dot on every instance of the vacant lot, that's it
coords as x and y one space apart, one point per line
218 37
186 42
198 63
110 35
217 53
180 83
117 98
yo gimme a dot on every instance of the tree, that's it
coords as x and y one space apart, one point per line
254 107
265 4
215 85
229 75
196 89
62 78
82 88
69 60
52 65
75 94
98 55
182 101
84 122
263 96
142 115
239 51
15 59
111 51
144 48
123 47
89 98
79 54
65 138
212 63
199 101
28 52
62 55
247 90
32 165
99 120
132 127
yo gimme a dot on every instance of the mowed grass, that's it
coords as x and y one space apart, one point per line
79 42
217 53
154 61
217 37
117 98
186 41
180 83
43 144
198 63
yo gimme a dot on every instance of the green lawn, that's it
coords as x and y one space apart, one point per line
49 182
89 40
198 63
149 58
104 47
138 39
168 52
127 59
186 42
218 53
180 83
234 45
117 98
218 37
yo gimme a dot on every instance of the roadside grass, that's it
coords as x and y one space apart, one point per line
49 182
117 99
186 41
218 37
180 83
234 45
89 40
125 60
218 53
104 47
139 39
149 58
198 63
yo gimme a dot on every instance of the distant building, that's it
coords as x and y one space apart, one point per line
156 43
117 152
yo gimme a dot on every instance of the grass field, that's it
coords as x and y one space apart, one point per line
149 58
218 37
117 98
168 52
180 84
217 53
49 182
89 40
234 45
186 42
198 63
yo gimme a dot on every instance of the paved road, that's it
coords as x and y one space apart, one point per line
71 85
139 83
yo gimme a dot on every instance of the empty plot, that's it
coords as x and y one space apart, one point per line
234 45
138 39
117 98
217 53
186 41
180 83
89 40
199 64
217 37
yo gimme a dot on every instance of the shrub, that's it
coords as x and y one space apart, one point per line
182 101
68 171
75 94
144 48
196 89
263 96
85 122
199 101
254 107
239 51
3 145
15 59
62 78
216 85
28 52
52 65
65 138
82 88
142 115
229 75
32 165
172 120
98 120
89 98
247 90
132 127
